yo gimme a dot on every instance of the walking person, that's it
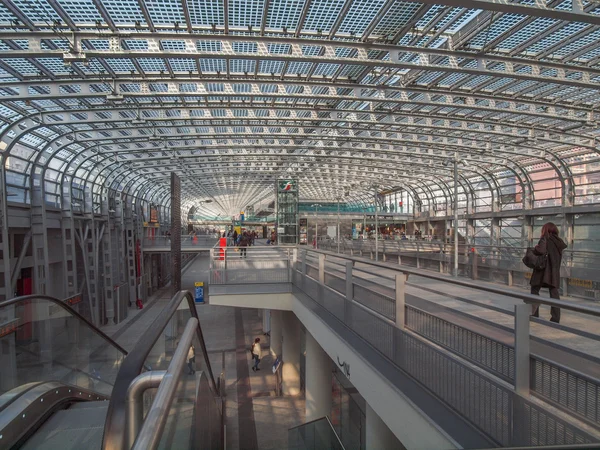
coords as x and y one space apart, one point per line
256 354
549 276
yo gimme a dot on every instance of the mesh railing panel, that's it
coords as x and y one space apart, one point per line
494 356
574 392
375 300
249 276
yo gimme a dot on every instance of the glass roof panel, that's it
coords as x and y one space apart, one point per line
243 13
165 12
81 11
206 12
285 13
38 11
322 14
124 11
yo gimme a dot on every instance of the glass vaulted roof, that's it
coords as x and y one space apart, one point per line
113 95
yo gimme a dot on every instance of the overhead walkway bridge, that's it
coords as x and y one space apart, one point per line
445 362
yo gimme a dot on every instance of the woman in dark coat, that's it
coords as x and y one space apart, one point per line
549 277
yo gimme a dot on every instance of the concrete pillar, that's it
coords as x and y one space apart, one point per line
378 435
276 333
266 320
318 380
290 353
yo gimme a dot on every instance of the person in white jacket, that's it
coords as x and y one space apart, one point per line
256 354
191 357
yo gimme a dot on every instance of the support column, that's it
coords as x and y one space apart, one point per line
378 435
175 233
266 320
318 380
290 353
276 319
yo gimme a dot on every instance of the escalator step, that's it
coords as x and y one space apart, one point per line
79 427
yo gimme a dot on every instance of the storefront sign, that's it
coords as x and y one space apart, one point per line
581 283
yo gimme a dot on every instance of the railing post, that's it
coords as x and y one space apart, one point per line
304 264
509 282
322 269
349 286
400 300
474 264
399 258
225 257
522 358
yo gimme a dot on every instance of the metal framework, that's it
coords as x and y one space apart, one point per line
101 100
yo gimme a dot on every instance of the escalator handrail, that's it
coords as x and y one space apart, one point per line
67 308
115 428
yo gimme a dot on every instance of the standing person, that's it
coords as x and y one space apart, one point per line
244 242
256 354
549 277
191 357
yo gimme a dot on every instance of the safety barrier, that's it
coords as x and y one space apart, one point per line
580 271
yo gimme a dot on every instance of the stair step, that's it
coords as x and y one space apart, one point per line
79 427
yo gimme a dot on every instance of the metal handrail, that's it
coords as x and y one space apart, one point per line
527 298
115 430
318 420
156 419
67 308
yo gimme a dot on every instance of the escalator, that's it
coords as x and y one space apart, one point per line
64 384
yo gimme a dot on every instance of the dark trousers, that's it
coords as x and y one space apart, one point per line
554 311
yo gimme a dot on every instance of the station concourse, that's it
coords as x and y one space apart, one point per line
351 184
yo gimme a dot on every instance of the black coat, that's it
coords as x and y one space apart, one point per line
550 276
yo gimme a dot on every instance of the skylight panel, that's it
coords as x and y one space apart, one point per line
322 15
152 64
182 64
55 65
119 65
270 67
242 65
285 13
206 12
212 65
81 11
500 26
124 11
209 46
37 11
556 37
165 12
326 69
465 19
244 47
578 44
21 65
533 29
244 13
396 18
5 15
360 15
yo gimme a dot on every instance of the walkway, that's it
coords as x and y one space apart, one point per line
573 342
